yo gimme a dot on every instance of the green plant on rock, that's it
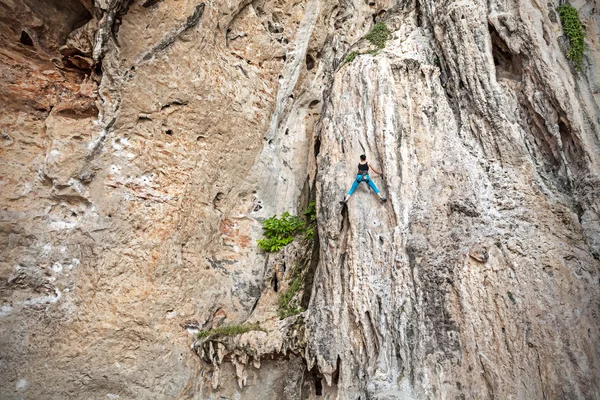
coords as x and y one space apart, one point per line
378 35
311 220
309 233
230 330
288 302
569 19
280 232
350 57
311 212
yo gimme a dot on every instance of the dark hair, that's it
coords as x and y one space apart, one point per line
363 157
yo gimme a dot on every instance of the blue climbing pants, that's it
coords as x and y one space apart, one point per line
363 178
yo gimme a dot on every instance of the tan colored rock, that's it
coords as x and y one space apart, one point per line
143 142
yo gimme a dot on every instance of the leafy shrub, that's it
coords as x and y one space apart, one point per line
272 245
378 35
309 233
280 232
311 211
569 19
230 330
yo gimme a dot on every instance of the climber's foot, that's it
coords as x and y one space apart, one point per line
343 202
383 199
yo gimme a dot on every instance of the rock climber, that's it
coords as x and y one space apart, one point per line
363 176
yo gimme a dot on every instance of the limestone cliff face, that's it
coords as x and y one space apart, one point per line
144 141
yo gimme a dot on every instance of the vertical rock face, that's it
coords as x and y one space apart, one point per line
479 278
143 143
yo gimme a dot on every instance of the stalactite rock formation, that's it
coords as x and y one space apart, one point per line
144 142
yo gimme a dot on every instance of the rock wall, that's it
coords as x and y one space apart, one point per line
490 161
143 143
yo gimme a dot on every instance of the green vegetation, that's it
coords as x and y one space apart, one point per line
311 220
288 303
311 212
350 57
574 31
309 233
280 232
230 330
378 35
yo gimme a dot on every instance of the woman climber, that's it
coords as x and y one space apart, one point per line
363 176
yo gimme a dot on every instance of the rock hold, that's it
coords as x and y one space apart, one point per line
479 253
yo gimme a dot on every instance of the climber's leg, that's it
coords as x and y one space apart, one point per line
372 186
355 185
353 188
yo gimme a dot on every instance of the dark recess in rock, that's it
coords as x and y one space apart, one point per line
572 147
508 65
150 3
217 201
26 39
310 272
464 207
310 62
274 28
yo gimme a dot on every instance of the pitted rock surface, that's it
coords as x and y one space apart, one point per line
142 144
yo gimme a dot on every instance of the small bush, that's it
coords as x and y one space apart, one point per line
378 35
272 245
569 19
280 232
230 330
311 212
309 233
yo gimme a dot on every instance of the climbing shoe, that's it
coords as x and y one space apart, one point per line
342 202
383 199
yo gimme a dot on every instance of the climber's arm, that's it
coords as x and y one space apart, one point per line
374 170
